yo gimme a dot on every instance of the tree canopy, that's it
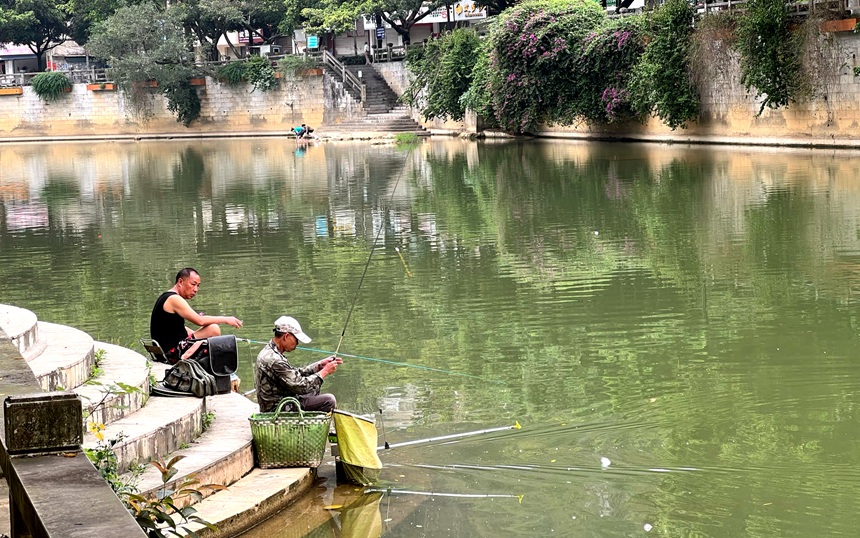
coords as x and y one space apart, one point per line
39 24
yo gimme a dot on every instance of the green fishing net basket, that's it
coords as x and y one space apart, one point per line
285 439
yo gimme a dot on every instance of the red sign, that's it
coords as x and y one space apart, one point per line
243 37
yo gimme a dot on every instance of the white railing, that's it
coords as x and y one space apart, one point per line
347 76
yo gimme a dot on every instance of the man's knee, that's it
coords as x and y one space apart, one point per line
329 403
208 331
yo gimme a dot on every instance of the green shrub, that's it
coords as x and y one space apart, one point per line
442 73
406 139
352 60
260 73
603 70
233 73
479 96
660 82
182 100
535 46
290 65
50 85
770 53
256 70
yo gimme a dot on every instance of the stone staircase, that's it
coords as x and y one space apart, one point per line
62 357
382 112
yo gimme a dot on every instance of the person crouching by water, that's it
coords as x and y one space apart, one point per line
302 131
275 378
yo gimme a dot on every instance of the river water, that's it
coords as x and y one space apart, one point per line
674 327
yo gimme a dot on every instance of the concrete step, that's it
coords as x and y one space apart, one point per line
118 365
161 427
252 500
66 359
220 455
21 326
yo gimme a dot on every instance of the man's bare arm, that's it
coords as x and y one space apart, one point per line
177 305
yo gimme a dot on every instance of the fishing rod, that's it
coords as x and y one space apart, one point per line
452 436
392 491
369 257
386 361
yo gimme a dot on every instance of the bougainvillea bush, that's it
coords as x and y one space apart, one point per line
608 57
533 59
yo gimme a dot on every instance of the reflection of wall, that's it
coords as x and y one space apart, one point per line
227 109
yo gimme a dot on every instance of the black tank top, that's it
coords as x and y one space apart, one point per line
166 328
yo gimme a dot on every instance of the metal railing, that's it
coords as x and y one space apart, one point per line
347 76
76 76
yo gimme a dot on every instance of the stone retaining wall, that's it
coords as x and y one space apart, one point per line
830 116
313 99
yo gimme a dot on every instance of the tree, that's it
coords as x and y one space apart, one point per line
84 14
39 24
403 14
337 16
143 43
494 7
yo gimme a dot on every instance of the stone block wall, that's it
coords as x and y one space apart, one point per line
830 115
311 99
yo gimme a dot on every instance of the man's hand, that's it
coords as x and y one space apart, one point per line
234 384
233 322
329 367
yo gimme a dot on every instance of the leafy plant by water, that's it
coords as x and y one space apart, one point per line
182 100
50 85
770 53
442 73
534 47
406 139
661 82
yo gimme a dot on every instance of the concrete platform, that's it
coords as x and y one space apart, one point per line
221 455
119 365
20 325
252 500
160 428
67 359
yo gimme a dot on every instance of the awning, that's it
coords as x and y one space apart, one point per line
9 51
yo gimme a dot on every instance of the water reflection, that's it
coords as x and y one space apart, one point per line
686 312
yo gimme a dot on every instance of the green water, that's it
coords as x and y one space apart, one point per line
674 327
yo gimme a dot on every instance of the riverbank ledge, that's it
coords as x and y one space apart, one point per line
213 433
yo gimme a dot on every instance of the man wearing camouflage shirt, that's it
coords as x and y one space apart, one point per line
275 378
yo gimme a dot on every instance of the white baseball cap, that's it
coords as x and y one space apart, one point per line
286 324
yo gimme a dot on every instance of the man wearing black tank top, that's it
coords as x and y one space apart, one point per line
171 311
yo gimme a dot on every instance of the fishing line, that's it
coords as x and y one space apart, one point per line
386 361
370 256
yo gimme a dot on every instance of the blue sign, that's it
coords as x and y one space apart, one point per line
313 42
380 33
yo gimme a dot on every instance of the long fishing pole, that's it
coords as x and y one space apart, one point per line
392 491
516 426
369 257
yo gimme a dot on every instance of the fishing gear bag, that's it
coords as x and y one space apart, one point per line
219 357
189 377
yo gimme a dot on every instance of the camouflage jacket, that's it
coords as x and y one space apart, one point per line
275 378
